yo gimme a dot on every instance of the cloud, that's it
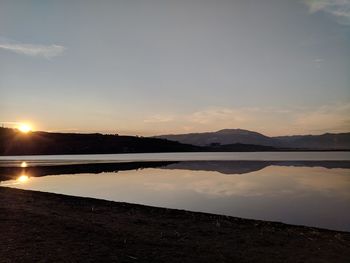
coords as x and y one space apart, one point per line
267 120
318 60
33 50
328 118
339 9
219 115
158 118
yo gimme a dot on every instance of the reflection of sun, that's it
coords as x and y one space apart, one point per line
23 178
25 128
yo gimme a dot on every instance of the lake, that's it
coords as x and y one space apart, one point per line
308 188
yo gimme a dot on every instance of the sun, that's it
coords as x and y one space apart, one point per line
25 128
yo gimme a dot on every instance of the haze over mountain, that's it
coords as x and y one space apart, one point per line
232 136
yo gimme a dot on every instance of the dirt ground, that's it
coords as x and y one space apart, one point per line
44 227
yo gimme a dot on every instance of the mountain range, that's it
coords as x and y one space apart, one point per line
15 142
332 141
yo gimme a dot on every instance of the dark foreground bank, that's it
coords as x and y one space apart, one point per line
43 227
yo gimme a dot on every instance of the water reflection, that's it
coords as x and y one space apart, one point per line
11 172
224 167
22 178
242 167
297 192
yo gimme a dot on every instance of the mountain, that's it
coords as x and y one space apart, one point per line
324 141
14 142
238 136
227 136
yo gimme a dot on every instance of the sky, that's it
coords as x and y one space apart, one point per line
149 67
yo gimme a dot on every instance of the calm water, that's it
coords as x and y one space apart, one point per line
201 156
297 189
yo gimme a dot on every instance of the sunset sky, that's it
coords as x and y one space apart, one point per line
151 67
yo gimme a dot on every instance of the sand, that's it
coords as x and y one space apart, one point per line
45 227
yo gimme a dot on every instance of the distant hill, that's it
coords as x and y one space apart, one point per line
240 147
324 141
236 136
14 142
227 136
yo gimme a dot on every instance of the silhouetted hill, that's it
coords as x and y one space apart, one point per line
240 147
324 141
14 142
239 136
227 136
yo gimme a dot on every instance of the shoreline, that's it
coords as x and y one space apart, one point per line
39 170
278 150
38 226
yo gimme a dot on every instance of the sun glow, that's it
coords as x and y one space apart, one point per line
23 178
25 128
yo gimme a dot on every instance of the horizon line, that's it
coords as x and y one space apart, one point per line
168 134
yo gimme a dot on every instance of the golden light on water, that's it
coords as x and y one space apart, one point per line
24 164
23 178
24 127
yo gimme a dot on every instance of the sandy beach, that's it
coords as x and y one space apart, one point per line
45 227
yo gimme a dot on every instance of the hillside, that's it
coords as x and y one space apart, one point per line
238 136
324 141
227 136
14 142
